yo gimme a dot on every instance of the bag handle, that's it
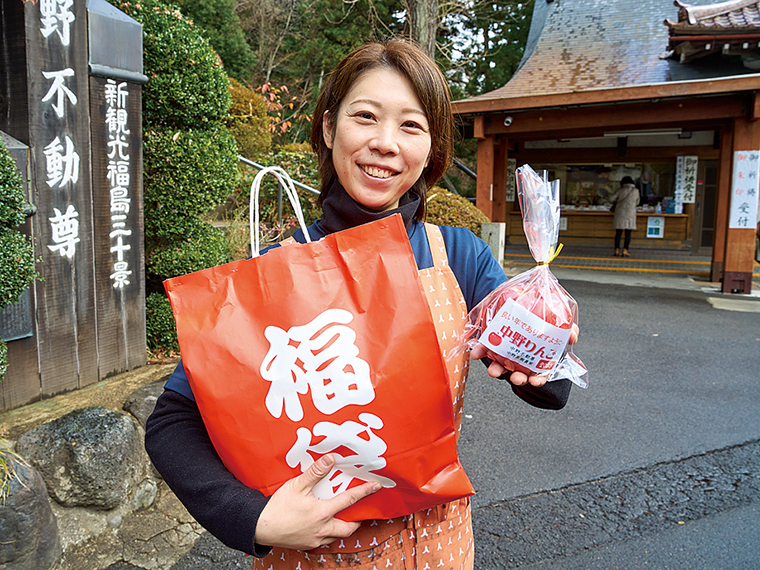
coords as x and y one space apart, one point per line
287 184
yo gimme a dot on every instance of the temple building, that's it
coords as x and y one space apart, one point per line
665 92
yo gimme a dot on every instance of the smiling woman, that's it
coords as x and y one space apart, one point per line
379 138
393 91
383 135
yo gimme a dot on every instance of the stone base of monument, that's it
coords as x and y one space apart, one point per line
87 495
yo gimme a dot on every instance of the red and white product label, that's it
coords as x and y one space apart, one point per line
524 338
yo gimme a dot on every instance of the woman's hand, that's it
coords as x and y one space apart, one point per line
495 370
295 518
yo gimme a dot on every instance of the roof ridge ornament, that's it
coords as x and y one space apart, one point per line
695 13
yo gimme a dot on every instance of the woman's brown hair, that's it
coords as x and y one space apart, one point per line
428 83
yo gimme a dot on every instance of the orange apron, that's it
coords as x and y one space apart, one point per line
436 539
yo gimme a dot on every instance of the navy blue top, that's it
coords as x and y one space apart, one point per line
470 258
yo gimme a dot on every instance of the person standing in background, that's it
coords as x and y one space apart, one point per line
624 202
644 184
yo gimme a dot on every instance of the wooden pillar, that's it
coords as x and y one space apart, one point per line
740 237
722 200
486 158
118 230
499 207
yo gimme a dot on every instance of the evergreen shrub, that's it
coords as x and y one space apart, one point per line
187 173
249 121
16 265
16 251
187 85
160 328
12 199
205 246
444 208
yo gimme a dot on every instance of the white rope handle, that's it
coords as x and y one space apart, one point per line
287 184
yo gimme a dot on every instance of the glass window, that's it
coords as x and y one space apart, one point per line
589 185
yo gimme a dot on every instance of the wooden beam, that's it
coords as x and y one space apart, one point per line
479 127
499 100
606 155
484 186
579 133
556 123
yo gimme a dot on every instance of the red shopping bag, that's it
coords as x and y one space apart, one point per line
324 347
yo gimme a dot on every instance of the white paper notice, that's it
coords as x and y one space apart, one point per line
744 188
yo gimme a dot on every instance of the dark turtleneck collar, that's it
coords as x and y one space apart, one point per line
340 211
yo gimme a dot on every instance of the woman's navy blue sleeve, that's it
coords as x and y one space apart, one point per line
470 258
178 382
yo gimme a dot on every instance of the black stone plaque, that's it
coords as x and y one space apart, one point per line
16 319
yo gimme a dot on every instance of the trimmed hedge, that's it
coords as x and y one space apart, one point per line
187 173
187 84
444 208
12 199
16 265
205 246
160 328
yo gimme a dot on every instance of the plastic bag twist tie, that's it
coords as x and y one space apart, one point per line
554 254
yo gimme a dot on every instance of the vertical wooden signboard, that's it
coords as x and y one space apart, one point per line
742 210
57 79
70 97
115 107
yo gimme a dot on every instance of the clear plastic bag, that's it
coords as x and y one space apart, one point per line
525 324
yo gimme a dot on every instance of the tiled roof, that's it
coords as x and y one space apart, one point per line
579 45
729 28
732 15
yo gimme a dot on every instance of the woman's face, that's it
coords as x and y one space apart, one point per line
380 139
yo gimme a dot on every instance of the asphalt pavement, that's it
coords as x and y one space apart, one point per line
653 465
656 465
